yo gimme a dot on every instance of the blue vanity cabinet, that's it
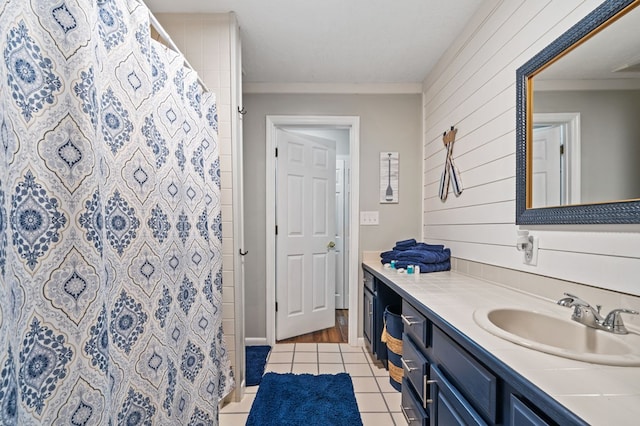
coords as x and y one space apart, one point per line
451 380
376 297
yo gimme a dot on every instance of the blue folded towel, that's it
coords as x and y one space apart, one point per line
429 257
430 247
409 242
404 244
419 246
423 256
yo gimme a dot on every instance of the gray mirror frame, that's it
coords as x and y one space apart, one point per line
623 212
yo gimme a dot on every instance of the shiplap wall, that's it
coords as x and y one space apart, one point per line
473 88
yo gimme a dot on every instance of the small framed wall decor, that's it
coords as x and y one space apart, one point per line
389 169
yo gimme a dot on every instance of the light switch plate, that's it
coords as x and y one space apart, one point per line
369 218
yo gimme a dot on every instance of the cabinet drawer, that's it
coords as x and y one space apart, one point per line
413 412
415 324
367 278
522 415
474 381
415 366
449 405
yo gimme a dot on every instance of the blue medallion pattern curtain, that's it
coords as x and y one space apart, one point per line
110 223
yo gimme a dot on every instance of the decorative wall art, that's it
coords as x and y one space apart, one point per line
389 168
450 172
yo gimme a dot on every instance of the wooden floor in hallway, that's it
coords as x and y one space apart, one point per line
336 334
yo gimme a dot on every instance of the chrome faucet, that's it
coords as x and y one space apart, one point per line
585 314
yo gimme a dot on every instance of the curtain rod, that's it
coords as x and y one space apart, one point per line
167 38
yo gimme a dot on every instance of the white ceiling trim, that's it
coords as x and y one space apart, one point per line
333 88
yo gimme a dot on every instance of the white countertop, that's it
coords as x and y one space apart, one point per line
599 394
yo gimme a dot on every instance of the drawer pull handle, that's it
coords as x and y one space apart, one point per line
406 366
406 416
424 391
408 321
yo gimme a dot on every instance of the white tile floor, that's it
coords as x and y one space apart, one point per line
378 401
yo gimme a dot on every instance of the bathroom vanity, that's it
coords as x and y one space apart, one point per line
457 372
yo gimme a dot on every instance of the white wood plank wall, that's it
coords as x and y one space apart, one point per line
473 88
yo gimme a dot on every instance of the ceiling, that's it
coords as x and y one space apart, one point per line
338 41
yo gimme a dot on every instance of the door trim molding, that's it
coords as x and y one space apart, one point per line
273 122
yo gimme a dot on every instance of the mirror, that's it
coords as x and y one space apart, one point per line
578 123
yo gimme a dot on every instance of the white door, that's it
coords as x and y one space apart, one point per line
547 178
305 240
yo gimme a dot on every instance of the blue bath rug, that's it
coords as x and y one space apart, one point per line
305 400
255 359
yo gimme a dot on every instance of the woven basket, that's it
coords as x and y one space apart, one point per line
392 337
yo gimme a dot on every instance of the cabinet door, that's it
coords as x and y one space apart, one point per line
368 319
448 405
521 415
478 384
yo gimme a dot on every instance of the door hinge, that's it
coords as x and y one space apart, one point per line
276 306
276 152
561 149
276 229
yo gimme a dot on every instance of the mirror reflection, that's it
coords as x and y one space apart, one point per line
585 129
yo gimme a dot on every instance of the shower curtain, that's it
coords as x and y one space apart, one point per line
110 224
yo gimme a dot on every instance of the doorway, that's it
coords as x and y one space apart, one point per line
316 126
556 159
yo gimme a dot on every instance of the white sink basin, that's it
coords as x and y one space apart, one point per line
560 336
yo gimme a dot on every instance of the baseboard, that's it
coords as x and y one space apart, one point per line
255 341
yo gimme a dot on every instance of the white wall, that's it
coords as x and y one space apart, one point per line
205 41
473 88
387 122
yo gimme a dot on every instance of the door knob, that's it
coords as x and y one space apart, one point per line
331 245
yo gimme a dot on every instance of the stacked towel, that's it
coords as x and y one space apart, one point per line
429 257
405 244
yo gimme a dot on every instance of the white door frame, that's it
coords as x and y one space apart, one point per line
273 122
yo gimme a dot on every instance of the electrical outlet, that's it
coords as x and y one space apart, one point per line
532 258
369 218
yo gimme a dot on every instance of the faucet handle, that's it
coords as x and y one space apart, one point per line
614 322
572 301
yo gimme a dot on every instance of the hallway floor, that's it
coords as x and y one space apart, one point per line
339 333
379 403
